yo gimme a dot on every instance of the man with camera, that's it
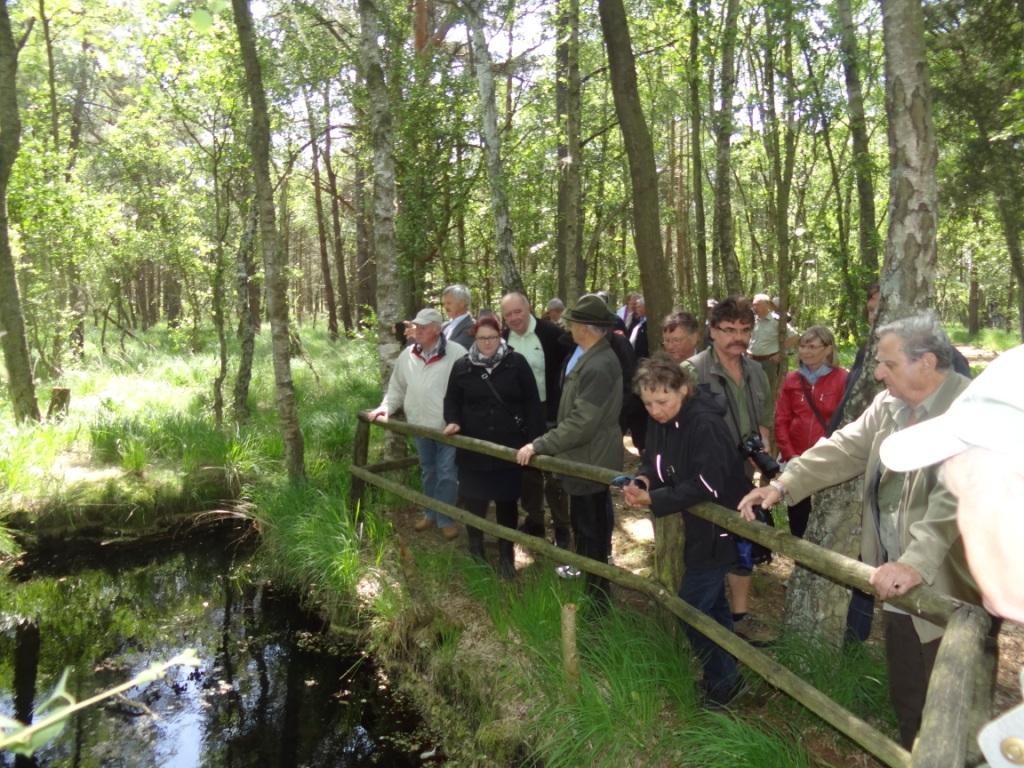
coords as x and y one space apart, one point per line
749 410
908 518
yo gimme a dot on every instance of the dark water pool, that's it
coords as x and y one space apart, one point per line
272 688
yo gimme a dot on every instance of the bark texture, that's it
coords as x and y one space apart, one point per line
273 264
725 239
12 321
910 250
389 303
643 173
510 279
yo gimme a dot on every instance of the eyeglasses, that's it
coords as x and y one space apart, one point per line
746 330
811 346
487 338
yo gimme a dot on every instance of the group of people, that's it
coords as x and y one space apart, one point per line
525 383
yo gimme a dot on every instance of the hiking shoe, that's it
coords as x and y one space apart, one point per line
450 533
423 524
568 572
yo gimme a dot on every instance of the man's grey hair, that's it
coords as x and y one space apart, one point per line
556 305
921 333
460 292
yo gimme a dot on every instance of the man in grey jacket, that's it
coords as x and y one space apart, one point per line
587 431
908 518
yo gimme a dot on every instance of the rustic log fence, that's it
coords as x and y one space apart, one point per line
961 682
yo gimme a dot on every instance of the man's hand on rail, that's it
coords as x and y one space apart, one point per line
894 579
379 414
766 497
524 454
452 429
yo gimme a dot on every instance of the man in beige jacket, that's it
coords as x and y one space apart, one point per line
909 519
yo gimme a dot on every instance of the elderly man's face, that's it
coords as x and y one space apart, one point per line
453 307
426 335
904 378
762 308
679 344
516 313
988 487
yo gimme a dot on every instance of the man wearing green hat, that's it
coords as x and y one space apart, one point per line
587 430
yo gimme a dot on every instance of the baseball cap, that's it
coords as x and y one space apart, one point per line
988 414
427 316
760 297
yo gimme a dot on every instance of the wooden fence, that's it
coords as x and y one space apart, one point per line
962 675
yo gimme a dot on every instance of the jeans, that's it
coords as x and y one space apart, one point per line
704 589
439 476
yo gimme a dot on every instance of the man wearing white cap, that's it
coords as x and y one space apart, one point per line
417 387
908 519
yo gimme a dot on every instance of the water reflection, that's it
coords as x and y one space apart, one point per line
272 689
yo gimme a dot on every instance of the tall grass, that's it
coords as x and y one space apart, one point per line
637 701
994 339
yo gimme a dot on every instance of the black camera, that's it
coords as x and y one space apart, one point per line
752 447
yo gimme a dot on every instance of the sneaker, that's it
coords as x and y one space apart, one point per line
423 524
568 572
450 533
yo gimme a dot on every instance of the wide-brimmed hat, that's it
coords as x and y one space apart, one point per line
988 414
427 316
591 310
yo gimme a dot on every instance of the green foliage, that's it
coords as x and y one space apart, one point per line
856 678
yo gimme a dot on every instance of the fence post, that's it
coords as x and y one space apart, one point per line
946 723
360 455
570 655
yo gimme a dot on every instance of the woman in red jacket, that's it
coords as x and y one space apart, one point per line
806 402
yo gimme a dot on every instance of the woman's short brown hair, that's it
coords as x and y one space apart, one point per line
659 371
824 335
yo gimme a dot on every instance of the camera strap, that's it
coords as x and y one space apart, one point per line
519 421
809 397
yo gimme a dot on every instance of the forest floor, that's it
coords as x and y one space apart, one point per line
633 549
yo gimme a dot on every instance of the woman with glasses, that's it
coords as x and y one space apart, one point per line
807 400
492 395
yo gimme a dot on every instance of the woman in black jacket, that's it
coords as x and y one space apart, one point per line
492 395
690 458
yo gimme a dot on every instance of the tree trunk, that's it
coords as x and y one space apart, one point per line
684 245
697 163
389 303
321 226
366 272
248 313
12 321
273 267
867 235
510 279
642 170
569 106
725 245
339 257
910 249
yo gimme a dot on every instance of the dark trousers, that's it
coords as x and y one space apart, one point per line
859 616
589 517
910 665
505 512
536 487
704 589
799 514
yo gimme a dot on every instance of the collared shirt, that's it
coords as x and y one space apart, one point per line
528 345
765 338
